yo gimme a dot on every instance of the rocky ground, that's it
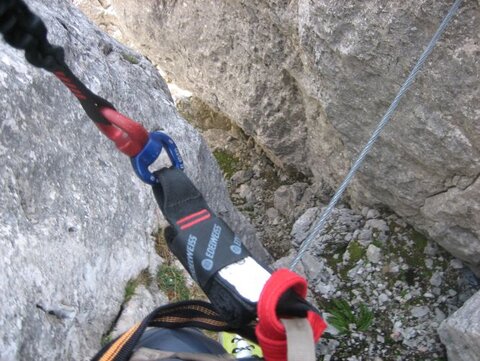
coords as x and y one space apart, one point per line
384 287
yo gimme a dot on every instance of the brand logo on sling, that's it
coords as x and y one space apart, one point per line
191 243
207 263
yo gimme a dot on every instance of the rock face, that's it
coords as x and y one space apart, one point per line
75 223
461 332
309 79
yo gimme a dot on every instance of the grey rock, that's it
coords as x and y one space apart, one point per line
439 315
420 311
383 298
392 267
217 139
308 198
302 225
272 214
327 347
364 211
301 79
59 310
365 235
245 192
201 115
436 279
409 333
357 270
241 177
348 221
75 222
452 293
137 308
431 249
456 264
374 254
377 224
372 213
287 198
460 332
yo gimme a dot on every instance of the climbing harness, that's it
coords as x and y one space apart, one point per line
208 249
318 228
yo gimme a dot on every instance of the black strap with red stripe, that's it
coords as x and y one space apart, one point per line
202 242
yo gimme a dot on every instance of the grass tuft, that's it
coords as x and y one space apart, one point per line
142 279
343 317
171 280
356 252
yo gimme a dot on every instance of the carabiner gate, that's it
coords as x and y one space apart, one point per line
149 154
132 139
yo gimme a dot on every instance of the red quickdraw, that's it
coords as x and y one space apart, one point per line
129 136
270 331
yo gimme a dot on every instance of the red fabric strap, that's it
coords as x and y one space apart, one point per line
270 331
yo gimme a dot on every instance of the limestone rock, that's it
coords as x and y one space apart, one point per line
460 332
75 222
420 311
137 308
374 254
288 197
310 79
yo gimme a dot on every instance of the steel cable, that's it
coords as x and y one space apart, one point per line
318 228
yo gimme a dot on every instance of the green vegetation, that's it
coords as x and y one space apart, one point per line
365 318
419 239
343 316
171 280
106 339
142 279
228 163
130 58
130 290
356 252
378 243
413 255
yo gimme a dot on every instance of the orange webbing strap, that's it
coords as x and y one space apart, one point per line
198 314
119 343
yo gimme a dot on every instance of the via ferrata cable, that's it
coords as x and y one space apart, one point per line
318 228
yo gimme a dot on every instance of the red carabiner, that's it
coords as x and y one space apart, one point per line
270 331
129 136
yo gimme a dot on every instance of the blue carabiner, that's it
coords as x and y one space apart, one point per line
149 154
